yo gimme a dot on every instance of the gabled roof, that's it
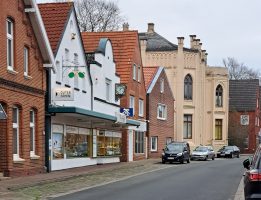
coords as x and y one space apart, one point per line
124 44
243 95
156 42
40 33
149 74
55 17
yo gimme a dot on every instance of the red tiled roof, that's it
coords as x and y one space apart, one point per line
149 73
125 46
54 16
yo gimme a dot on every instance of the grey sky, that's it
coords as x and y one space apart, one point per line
225 27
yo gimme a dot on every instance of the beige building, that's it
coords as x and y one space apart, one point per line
200 91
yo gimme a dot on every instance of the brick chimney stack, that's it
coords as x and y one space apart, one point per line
125 26
192 38
180 43
150 28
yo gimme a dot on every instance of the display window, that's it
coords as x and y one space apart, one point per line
108 143
77 142
58 142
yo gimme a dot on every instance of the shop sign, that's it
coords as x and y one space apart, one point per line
2 112
72 129
63 94
84 131
121 118
244 120
127 111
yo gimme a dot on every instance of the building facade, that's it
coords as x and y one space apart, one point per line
24 54
198 119
160 110
244 114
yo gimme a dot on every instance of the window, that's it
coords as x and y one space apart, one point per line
15 132
139 74
58 71
188 88
26 61
139 142
154 143
76 59
161 85
218 129
32 132
141 107
219 96
187 129
10 43
67 55
162 111
134 72
109 143
57 142
132 103
108 89
168 140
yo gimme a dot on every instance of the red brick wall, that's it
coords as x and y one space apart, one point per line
157 127
22 96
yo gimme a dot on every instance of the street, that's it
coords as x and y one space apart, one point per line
199 180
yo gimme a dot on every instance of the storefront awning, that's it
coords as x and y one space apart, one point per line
89 113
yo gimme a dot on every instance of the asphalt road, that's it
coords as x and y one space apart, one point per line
199 180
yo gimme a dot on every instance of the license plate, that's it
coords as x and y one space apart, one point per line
170 158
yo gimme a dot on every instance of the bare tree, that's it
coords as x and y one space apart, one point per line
98 15
239 70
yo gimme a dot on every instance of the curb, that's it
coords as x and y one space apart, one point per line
240 191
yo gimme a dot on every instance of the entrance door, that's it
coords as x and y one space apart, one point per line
130 141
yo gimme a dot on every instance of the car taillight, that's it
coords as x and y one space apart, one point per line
255 176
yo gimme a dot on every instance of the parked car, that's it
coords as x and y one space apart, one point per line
252 179
203 153
176 152
228 151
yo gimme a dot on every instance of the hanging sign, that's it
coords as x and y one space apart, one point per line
127 111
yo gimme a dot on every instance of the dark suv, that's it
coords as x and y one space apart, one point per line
176 152
252 179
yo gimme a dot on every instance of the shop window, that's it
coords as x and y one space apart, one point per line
109 143
57 142
139 142
187 127
77 142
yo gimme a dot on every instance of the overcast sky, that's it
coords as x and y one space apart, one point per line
227 28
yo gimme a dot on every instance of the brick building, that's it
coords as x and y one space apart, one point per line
244 114
159 110
24 54
129 67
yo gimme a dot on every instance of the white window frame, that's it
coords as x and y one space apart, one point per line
26 61
141 107
15 125
154 139
134 72
161 85
139 73
32 137
108 89
164 111
132 103
10 37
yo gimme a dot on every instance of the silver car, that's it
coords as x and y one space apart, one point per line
203 153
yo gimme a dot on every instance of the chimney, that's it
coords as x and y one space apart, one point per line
180 43
125 26
196 43
192 38
150 28
200 45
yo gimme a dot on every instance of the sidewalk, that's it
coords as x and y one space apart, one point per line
56 183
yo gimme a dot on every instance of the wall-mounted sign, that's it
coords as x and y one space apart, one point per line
2 112
127 111
244 120
120 90
63 94
121 118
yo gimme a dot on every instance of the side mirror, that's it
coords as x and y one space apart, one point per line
246 164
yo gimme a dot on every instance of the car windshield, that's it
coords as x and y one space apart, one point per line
201 149
175 147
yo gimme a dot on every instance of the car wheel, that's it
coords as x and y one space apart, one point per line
213 157
191 158
218 156
206 158
231 155
181 161
188 161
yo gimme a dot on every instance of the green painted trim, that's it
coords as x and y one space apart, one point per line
88 113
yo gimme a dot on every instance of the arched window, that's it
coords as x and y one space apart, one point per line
219 96
188 87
